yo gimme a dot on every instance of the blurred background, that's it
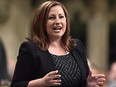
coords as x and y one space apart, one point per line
92 21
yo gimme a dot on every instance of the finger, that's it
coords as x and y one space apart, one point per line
56 81
100 83
100 76
101 80
90 73
52 73
89 76
58 76
97 86
56 84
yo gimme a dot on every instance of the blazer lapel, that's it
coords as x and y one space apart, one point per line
80 62
48 64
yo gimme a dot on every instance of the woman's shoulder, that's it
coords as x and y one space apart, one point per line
79 44
29 45
77 41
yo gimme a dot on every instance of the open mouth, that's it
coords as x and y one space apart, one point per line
57 28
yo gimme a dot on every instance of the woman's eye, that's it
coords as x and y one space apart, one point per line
61 16
51 18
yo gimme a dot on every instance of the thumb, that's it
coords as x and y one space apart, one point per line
90 75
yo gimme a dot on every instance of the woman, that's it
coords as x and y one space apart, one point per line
51 57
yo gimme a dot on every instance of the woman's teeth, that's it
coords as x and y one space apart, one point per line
57 28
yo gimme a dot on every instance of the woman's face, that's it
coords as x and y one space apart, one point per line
56 23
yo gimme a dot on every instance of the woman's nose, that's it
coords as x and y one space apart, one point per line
57 21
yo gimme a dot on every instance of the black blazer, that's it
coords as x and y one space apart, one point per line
33 63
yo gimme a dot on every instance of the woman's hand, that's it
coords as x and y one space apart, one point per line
97 80
51 79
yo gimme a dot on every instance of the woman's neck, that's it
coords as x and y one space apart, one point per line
55 47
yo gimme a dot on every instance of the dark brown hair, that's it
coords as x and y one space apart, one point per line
39 33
